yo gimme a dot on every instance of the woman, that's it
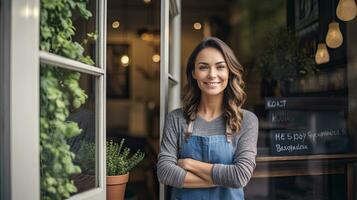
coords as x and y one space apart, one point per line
209 146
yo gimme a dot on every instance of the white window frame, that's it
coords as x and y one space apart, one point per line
20 172
169 83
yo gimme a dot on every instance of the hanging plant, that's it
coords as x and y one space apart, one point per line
59 93
283 58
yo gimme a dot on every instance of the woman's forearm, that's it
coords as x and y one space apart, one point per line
194 181
198 168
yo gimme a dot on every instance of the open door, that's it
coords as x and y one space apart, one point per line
170 66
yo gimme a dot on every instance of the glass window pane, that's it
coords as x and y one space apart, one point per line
302 92
68 132
133 80
70 29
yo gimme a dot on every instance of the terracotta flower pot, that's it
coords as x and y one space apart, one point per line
116 186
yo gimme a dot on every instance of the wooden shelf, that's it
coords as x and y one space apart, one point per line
296 172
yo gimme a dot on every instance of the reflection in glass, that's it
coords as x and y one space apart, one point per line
69 29
334 37
67 124
322 55
87 31
83 145
306 109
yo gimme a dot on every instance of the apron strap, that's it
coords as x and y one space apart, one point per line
229 133
189 131
190 127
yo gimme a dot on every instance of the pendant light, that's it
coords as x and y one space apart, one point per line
322 55
346 10
334 37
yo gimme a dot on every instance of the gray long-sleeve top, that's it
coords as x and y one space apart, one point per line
244 143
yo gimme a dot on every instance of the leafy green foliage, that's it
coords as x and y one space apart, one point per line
86 157
59 93
283 58
118 162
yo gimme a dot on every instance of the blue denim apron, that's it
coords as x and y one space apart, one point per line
210 149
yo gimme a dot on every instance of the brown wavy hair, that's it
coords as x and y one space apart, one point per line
234 95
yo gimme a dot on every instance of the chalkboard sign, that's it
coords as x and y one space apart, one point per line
303 126
305 103
289 142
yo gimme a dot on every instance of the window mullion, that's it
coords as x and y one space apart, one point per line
101 92
59 61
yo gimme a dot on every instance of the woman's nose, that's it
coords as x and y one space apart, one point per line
212 73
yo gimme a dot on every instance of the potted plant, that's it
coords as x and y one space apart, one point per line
119 163
118 166
284 60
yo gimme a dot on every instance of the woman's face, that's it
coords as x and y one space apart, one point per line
211 72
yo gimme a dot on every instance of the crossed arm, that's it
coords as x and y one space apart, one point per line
189 173
198 173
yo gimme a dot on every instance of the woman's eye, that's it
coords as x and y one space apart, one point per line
203 67
221 66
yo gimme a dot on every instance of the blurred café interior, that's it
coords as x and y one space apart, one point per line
300 61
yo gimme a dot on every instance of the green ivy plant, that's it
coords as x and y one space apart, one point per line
59 93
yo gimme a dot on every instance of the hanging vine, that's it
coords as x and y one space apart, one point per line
59 93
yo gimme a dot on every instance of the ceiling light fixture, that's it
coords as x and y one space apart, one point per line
334 37
124 59
197 26
322 55
115 24
156 58
346 10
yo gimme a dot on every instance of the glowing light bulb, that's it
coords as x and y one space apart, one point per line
346 10
322 55
197 26
124 60
147 37
334 37
156 58
116 24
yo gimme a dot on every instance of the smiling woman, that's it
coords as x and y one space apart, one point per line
211 72
209 146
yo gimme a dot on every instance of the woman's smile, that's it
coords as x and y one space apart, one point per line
212 84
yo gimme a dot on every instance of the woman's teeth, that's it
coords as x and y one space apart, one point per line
212 83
